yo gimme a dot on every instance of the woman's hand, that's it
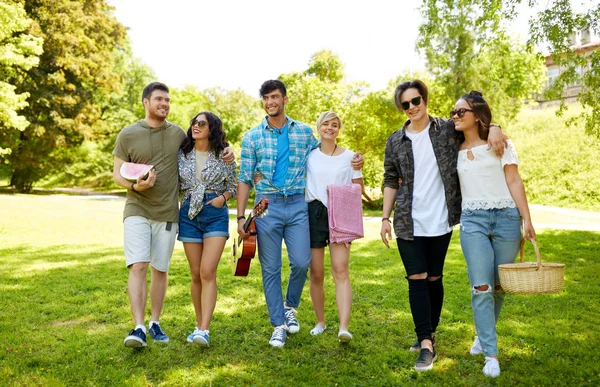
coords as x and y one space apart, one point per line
217 202
528 230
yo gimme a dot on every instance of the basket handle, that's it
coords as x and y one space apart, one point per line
537 252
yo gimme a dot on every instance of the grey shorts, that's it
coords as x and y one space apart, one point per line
149 241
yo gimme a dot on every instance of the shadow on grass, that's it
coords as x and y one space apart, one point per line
65 313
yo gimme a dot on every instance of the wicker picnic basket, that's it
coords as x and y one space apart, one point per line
531 277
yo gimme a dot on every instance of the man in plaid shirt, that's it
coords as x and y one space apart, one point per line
275 152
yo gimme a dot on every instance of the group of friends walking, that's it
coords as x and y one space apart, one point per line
428 164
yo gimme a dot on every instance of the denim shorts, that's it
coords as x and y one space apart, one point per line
318 224
210 222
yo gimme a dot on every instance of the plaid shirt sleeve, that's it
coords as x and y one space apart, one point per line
247 161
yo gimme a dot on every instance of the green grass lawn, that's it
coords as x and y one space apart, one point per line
64 313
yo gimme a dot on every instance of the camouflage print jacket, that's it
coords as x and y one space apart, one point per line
399 172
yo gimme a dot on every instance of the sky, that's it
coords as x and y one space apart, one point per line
241 43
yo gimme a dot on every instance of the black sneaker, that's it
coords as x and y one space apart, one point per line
425 360
136 339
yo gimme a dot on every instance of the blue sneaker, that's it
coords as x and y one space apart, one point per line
199 337
278 337
291 322
157 333
136 339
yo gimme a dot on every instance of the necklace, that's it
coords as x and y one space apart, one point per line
334 149
277 129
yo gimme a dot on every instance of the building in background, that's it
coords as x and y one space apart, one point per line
583 43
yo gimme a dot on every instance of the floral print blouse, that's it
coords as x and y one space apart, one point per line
217 176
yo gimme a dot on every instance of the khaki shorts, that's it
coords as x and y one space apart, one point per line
149 241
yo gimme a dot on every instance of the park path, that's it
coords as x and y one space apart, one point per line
544 217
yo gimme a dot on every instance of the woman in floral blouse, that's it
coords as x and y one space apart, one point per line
207 182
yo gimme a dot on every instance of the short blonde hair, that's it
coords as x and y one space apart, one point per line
328 116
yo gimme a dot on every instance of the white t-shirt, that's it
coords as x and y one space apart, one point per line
482 180
323 170
429 208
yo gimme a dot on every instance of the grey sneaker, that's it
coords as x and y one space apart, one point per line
425 360
278 337
416 347
291 322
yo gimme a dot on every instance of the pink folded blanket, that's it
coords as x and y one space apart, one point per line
344 209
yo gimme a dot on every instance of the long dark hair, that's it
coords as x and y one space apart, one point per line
481 109
216 138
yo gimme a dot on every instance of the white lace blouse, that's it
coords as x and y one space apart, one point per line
482 180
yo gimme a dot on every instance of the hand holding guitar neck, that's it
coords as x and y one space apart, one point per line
241 264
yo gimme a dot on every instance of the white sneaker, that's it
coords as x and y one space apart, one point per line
491 367
344 336
476 347
318 329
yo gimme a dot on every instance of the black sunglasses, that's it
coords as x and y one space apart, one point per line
199 123
415 101
460 112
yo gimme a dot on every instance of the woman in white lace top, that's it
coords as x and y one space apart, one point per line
494 208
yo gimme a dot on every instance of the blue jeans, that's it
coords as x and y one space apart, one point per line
488 238
210 221
286 219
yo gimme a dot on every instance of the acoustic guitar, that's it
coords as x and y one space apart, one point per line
243 254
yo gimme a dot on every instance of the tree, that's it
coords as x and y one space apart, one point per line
551 29
467 48
19 52
68 87
235 108
554 26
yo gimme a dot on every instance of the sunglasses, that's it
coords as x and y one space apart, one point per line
460 112
415 101
199 123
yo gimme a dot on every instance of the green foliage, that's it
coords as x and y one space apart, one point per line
466 49
19 52
238 111
554 26
559 162
65 313
68 87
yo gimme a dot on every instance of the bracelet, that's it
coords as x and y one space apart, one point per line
224 198
132 184
388 219
241 217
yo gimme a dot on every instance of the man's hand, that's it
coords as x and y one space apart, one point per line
241 231
228 155
497 140
142 185
386 232
357 161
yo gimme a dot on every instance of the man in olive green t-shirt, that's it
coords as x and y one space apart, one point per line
151 214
